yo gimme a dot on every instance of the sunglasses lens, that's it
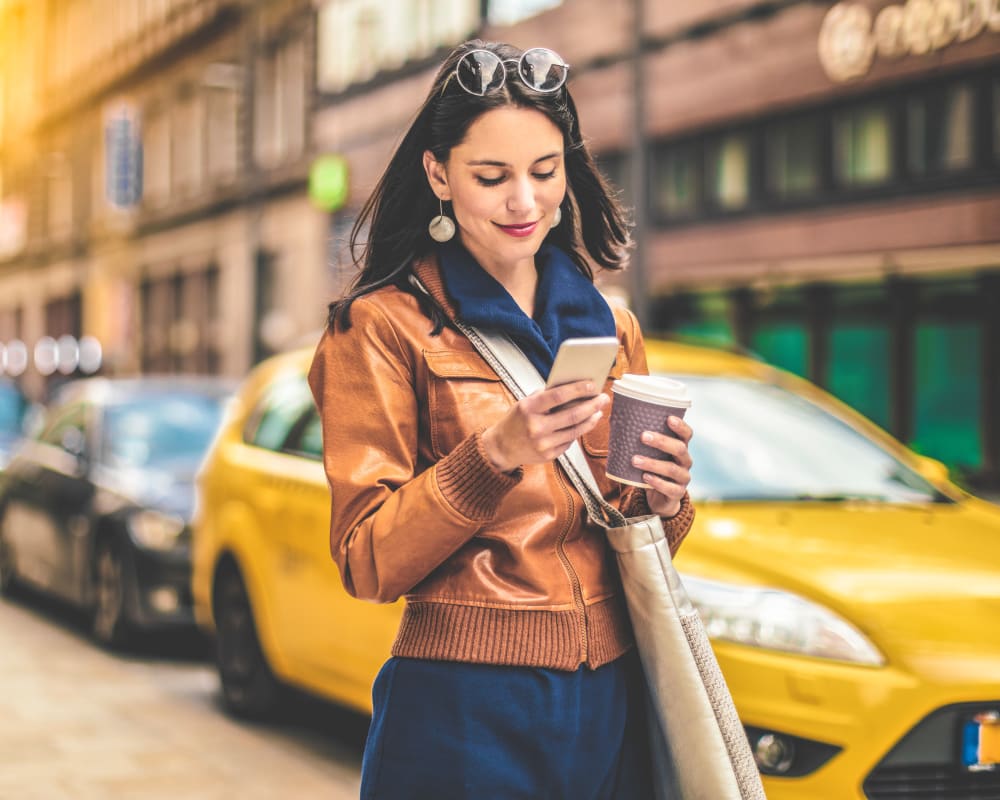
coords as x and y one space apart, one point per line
542 70
480 72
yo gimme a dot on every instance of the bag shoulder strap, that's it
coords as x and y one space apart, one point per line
520 376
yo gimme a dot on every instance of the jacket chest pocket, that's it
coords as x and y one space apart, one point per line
463 395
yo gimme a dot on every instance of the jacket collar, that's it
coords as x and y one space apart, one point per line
428 272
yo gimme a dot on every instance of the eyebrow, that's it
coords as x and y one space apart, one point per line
490 163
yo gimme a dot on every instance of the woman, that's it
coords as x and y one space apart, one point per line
512 675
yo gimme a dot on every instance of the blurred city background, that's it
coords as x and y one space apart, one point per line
817 183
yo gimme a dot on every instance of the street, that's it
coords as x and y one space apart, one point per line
79 723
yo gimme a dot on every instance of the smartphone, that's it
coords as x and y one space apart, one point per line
584 359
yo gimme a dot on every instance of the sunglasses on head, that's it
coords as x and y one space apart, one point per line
482 71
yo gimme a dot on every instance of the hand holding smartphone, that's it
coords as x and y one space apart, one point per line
583 359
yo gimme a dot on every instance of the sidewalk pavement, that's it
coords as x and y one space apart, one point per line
77 723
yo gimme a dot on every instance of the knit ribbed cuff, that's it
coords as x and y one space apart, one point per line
472 485
676 527
679 525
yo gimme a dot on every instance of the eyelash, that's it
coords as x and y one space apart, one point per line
541 176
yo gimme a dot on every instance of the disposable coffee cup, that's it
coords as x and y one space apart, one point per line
641 403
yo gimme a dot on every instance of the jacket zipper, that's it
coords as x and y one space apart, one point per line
573 577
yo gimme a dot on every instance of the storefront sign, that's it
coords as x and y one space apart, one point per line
360 38
851 36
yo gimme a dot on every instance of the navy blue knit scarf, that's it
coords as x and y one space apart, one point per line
566 303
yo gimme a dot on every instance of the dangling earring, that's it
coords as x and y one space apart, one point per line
441 228
557 217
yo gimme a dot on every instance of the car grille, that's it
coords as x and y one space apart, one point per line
931 783
925 764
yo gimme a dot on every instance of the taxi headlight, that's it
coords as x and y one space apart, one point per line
154 530
776 620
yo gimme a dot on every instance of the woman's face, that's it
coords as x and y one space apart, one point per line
505 181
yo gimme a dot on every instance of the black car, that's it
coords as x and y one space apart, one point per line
95 507
14 409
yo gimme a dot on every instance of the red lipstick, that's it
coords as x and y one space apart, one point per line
520 230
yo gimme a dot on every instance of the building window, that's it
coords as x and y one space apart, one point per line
948 413
676 182
358 39
60 196
508 12
291 103
64 316
281 105
180 322
793 158
265 131
703 316
188 152
940 125
196 328
11 325
862 146
727 172
859 368
157 307
156 161
223 133
784 344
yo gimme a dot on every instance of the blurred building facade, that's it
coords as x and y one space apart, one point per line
154 159
824 188
817 182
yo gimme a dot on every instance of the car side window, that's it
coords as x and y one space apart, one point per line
274 418
67 430
13 407
307 437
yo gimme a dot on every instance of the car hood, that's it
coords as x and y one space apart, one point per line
922 582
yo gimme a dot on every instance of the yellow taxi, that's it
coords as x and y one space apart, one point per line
851 591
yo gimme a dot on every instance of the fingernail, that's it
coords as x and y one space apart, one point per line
636 461
673 421
590 386
647 437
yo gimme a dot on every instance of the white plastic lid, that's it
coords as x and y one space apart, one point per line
653 389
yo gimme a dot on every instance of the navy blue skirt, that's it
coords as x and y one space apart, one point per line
443 730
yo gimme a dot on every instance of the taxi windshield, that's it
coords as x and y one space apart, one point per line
758 441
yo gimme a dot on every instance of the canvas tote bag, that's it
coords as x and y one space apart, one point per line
699 748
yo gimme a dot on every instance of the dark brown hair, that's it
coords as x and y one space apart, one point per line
593 229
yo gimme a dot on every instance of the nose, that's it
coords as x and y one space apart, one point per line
522 196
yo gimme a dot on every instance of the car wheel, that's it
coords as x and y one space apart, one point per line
109 624
8 571
249 687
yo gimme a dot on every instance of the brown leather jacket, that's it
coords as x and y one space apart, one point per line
496 568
